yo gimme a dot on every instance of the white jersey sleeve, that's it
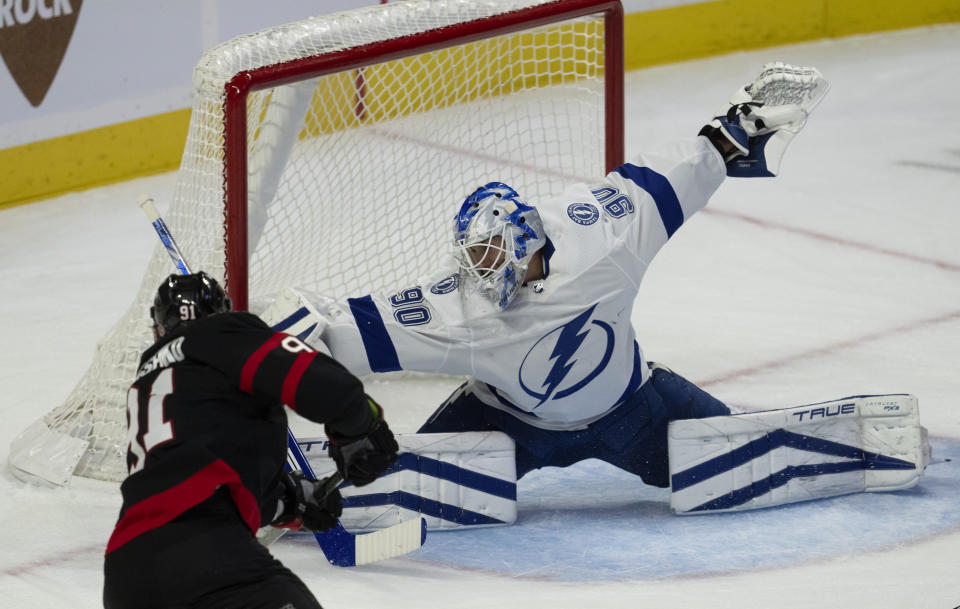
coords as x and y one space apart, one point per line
564 352
662 189
409 329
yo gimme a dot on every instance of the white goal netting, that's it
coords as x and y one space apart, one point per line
351 176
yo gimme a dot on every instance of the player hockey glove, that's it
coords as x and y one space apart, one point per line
760 120
361 459
308 504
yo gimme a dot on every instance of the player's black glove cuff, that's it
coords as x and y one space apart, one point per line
313 505
360 459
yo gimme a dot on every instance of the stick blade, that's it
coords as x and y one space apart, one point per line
394 541
147 205
344 549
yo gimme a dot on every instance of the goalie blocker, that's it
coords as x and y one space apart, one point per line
763 459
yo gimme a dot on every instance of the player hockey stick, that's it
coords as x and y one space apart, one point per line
345 549
341 547
269 534
146 204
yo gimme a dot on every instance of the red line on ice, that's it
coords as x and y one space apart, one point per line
53 560
948 266
831 348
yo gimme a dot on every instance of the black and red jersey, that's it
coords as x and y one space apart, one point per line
206 410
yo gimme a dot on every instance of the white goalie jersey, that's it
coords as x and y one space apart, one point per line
564 352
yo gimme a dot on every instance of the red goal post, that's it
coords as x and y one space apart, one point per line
331 154
237 90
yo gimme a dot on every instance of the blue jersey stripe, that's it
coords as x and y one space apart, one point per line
294 318
381 354
303 335
662 192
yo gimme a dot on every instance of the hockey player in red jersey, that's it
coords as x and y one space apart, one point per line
206 449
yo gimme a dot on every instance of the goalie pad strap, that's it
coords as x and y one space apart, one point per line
745 461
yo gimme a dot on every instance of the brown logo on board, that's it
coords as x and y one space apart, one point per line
34 35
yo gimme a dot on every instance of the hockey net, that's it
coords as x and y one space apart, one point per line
331 154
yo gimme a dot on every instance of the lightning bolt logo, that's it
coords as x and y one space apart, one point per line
566 340
571 337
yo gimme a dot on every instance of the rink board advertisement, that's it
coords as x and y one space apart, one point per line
93 92
75 65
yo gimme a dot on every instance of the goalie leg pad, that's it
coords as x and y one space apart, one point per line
762 459
452 480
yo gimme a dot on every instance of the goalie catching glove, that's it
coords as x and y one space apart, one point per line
362 458
308 504
753 132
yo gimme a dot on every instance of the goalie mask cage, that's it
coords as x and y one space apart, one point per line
332 153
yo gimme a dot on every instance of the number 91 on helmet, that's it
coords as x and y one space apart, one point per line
182 299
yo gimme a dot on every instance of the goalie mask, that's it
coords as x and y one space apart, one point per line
184 298
495 234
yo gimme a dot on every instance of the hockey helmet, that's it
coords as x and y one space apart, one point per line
495 235
185 298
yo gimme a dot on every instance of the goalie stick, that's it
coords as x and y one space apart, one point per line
341 547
